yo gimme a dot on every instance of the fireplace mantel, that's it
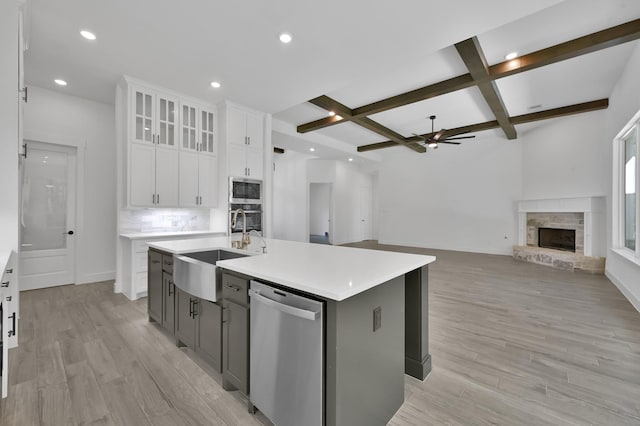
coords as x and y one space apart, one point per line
593 208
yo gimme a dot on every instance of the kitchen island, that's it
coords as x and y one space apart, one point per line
375 316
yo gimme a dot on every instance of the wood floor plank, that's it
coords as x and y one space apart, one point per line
50 366
86 397
121 403
55 409
101 361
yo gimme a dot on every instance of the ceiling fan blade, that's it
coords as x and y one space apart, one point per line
438 135
452 143
457 137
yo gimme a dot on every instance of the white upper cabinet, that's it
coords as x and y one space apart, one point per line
198 180
154 176
199 131
170 147
208 134
189 128
154 118
246 143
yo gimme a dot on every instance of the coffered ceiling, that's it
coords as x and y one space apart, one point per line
584 78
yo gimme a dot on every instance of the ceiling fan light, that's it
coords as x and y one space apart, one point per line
433 144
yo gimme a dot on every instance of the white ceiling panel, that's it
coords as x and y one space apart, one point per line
185 45
564 22
585 78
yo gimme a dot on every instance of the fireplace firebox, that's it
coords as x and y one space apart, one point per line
559 239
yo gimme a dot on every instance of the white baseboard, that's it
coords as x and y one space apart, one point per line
450 248
624 290
97 277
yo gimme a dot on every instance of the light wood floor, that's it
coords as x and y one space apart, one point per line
512 343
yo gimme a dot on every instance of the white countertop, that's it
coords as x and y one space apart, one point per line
161 234
332 272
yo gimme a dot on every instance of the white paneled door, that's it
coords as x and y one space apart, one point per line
366 206
47 228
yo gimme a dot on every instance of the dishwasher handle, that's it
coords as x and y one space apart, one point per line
291 310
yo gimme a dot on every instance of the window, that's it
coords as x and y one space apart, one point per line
630 179
626 184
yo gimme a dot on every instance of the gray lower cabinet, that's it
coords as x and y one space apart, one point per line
185 320
154 286
168 302
209 333
194 322
235 333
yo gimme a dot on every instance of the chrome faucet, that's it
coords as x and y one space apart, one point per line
245 235
264 242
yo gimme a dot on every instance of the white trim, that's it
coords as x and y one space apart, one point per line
506 252
618 201
97 277
627 254
635 302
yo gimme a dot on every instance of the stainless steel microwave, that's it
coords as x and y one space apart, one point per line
245 191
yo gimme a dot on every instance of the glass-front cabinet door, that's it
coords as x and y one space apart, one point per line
143 123
167 122
207 131
189 127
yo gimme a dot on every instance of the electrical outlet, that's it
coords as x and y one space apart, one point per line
377 318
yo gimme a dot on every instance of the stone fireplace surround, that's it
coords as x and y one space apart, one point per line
586 215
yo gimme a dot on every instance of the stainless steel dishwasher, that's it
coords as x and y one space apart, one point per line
286 356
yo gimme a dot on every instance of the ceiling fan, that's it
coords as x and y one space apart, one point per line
437 138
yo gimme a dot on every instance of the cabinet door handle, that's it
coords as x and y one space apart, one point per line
195 308
5 284
232 287
157 198
13 321
249 139
171 285
155 261
196 200
248 171
224 308
9 271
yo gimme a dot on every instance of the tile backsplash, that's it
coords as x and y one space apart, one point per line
158 220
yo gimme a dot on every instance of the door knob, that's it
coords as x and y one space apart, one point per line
70 232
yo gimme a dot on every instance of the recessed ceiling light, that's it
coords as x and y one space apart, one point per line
88 35
60 82
285 38
331 113
215 84
510 56
350 159
312 149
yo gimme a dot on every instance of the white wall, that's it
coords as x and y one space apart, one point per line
565 157
319 206
55 117
455 198
624 102
290 205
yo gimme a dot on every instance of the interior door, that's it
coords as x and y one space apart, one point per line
366 206
47 228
